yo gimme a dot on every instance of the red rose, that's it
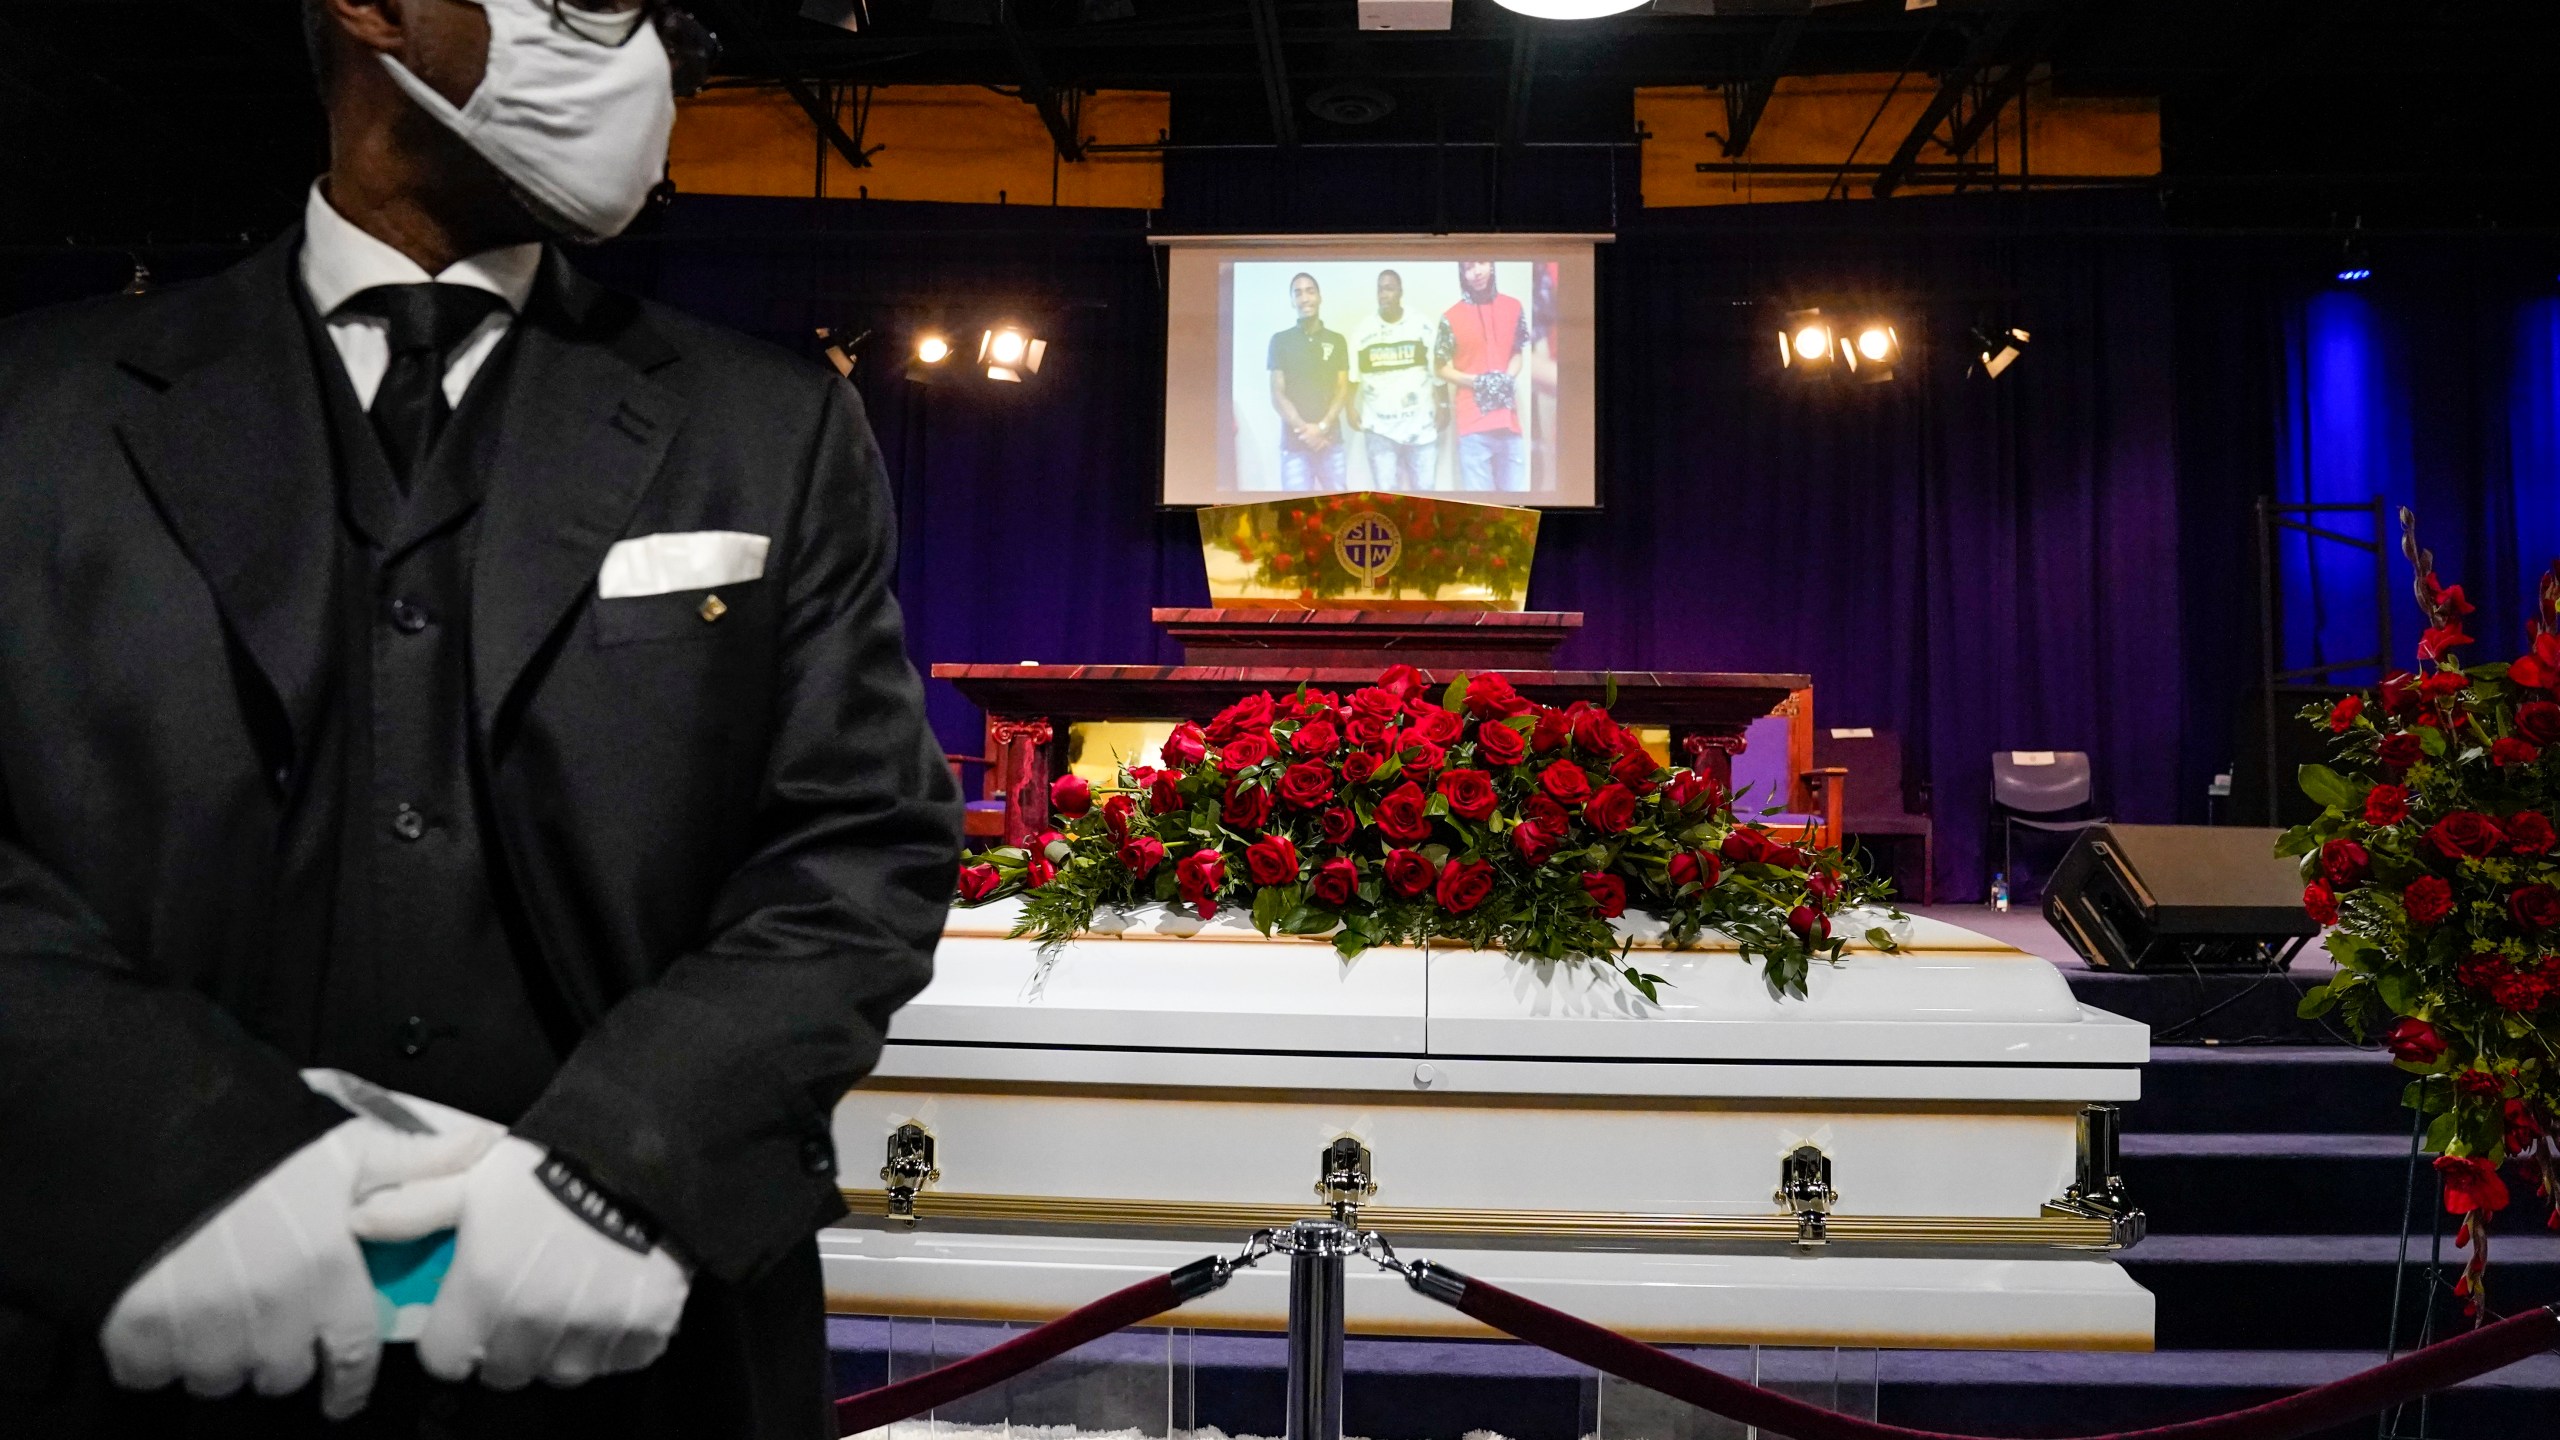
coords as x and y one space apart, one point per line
2386 805
1115 815
1535 841
1689 867
2538 668
1554 728
1336 881
1400 814
1493 695
1306 785
1811 925
1499 744
1594 731
1565 781
1251 715
2478 1084
977 882
1436 725
2399 751
1688 789
1186 746
2535 907
2539 722
1200 876
2320 903
1469 793
1244 752
2428 900
2509 750
2470 1184
1745 845
1543 811
2443 684
1636 772
1376 705
2415 1041
1823 885
1070 796
1163 795
2345 862
1273 860
2463 834
1317 738
2519 990
1421 756
1401 681
1612 810
2480 969
2529 833
1037 869
1340 825
2522 1125
1142 854
1246 806
1358 766
1464 885
1368 732
1410 872
1608 894
2344 713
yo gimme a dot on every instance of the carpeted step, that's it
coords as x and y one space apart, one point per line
2268 1184
2228 1009
2242 1292
2269 1089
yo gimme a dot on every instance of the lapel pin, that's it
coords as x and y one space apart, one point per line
712 609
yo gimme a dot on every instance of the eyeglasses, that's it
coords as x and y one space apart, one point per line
691 47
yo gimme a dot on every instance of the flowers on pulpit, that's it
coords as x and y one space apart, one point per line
1396 816
2436 861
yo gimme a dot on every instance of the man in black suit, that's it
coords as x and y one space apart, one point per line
419 664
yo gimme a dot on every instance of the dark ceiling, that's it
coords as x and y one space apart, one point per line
161 121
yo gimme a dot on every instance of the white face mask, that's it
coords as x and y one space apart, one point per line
579 127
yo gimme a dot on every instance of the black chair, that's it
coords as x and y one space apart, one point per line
2037 790
1878 803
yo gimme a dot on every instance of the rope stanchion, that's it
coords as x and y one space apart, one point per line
1118 1310
2434 1368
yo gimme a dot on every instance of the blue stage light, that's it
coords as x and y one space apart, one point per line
2353 273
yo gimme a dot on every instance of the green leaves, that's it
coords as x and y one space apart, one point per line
1454 699
2329 788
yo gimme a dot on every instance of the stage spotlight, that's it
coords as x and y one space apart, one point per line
1998 348
1805 344
1009 353
933 349
1871 351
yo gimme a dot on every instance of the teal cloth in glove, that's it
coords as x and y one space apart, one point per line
406 1276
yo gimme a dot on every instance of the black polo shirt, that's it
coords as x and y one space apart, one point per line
1311 365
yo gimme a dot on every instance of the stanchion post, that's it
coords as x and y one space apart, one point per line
1316 1249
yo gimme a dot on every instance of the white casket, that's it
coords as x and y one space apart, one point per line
1147 1096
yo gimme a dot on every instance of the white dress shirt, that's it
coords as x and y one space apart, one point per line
340 261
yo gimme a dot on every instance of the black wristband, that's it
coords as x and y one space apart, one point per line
611 1218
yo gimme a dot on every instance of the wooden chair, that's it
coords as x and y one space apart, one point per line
983 818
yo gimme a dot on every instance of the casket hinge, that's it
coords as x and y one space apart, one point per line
2099 1192
1344 1178
1804 1187
909 1170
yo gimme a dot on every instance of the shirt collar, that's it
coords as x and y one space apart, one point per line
340 260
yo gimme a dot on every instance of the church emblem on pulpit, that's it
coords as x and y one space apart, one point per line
1368 545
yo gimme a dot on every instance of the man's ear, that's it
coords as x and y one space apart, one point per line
377 25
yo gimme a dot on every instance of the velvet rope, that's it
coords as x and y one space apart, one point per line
2448 1363
1118 1310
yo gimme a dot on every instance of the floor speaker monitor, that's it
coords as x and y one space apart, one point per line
2179 898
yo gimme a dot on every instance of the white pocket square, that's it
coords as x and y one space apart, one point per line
688 560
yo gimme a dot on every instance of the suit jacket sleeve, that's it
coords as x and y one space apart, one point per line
128 1110
705 1097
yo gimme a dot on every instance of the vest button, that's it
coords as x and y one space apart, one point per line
408 824
408 618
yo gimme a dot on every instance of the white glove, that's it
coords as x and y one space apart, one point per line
537 1291
415 1154
265 1293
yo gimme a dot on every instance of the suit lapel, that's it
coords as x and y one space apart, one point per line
583 433
235 451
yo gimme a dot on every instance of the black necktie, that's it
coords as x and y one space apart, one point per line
427 322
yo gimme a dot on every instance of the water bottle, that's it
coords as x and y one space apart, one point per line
2000 891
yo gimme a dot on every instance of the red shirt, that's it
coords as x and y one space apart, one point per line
1482 338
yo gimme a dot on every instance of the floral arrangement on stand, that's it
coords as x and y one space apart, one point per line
2434 859
1444 546
1391 817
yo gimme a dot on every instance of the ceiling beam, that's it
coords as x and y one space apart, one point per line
823 115
1744 103
1275 71
1987 107
1987 43
1036 88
